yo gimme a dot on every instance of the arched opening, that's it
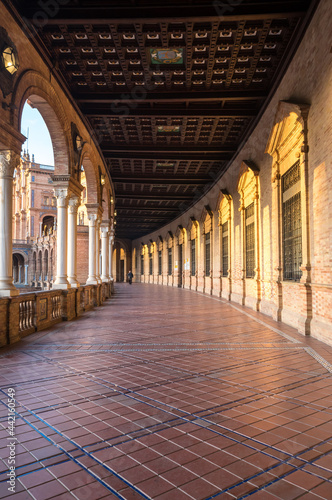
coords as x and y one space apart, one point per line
40 268
38 141
18 269
48 224
51 266
46 277
34 267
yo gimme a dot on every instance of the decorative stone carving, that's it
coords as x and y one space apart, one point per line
8 162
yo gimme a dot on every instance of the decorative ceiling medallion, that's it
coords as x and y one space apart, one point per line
169 129
166 56
167 164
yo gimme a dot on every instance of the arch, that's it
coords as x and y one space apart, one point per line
34 266
89 162
18 267
46 270
225 233
42 95
47 223
207 219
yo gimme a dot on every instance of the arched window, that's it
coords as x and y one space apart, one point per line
160 255
207 221
225 219
248 188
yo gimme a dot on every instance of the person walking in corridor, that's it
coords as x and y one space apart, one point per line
130 277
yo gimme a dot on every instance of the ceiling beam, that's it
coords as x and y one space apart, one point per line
165 97
176 156
154 197
146 218
194 181
160 112
146 209
102 13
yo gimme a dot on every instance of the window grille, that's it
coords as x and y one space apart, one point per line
207 255
170 266
250 240
32 198
160 262
193 257
150 263
292 223
224 248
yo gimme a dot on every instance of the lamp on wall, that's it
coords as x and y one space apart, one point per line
9 63
10 59
102 179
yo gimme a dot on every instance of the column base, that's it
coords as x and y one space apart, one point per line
91 281
8 291
73 282
62 284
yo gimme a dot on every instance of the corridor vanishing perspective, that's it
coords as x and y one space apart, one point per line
165 393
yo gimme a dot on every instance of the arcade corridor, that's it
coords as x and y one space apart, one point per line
164 393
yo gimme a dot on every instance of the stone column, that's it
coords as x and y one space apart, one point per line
19 274
8 162
110 253
61 281
72 241
92 280
26 267
105 236
98 270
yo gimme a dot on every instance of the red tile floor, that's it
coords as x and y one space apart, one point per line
167 394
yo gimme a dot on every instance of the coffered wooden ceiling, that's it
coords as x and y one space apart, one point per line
170 89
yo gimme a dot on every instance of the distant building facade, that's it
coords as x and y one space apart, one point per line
34 225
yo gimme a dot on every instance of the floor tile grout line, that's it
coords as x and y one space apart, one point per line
182 417
85 453
229 303
133 392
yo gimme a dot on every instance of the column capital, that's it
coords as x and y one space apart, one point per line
9 160
61 194
104 227
73 204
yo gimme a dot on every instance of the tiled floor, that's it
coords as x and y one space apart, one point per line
167 394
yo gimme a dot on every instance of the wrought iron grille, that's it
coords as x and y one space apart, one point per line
142 264
207 254
250 241
291 177
292 238
150 263
224 248
193 257
160 262
170 267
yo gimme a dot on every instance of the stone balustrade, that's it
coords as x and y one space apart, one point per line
27 313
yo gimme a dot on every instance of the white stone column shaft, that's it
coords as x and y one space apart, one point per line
98 251
104 252
92 280
110 253
26 267
19 274
8 160
72 241
61 281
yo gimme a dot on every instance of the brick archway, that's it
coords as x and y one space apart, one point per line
34 87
